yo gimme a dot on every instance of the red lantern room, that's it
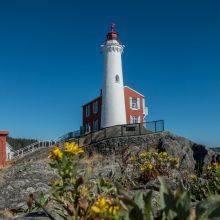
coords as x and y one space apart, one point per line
112 35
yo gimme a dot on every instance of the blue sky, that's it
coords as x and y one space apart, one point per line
50 63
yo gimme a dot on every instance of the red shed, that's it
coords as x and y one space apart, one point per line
3 135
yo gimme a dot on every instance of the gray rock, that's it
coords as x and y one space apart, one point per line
23 179
32 173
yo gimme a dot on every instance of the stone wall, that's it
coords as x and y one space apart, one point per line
115 145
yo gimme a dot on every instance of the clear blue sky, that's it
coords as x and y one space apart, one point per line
50 62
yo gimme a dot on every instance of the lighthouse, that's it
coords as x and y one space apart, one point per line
113 100
117 104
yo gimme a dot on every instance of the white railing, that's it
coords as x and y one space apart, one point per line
31 148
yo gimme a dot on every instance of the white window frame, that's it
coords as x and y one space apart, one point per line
134 119
133 105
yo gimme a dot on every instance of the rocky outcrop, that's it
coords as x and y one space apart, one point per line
192 155
32 173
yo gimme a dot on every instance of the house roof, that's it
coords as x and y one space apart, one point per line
92 101
4 132
134 90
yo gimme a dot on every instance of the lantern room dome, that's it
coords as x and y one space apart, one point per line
112 35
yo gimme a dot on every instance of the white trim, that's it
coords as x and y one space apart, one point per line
134 91
138 103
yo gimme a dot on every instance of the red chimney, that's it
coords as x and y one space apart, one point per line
3 135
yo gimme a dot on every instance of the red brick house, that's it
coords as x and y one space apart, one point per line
134 105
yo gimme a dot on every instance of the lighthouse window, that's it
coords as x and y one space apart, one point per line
117 79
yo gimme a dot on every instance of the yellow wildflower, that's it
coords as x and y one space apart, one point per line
163 154
73 148
193 177
84 192
56 153
215 165
95 209
209 167
100 206
104 207
175 161
133 158
58 182
154 154
143 154
147 166
142 167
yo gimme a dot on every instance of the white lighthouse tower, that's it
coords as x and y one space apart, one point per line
113 101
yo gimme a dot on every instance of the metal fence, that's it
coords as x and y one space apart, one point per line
31 148
71 135
115 131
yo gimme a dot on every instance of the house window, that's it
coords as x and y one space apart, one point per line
134 103
87 127
134 119
95 125
87 110
95 107
117 79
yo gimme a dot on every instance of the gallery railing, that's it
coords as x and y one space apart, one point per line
115 131
71 135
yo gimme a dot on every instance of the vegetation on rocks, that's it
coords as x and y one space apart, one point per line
18 143
180 195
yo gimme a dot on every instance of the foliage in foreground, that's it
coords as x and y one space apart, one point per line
78 197
18 143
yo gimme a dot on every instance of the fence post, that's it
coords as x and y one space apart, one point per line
78 141
139 128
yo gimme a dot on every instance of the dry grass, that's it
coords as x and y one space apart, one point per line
89 160
6 214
